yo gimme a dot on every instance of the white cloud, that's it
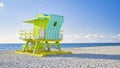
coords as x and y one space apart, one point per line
87 36
73 38
1 5
119 35
11 38
91 38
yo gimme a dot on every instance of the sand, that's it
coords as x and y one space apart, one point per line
87 57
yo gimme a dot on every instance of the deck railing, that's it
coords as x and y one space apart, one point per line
25 34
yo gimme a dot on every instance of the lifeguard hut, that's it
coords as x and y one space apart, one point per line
45 37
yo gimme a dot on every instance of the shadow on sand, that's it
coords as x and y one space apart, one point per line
92 56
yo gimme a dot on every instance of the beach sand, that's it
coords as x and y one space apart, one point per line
87 57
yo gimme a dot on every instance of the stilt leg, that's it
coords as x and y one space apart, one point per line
58 44
35 47
25 47
48 45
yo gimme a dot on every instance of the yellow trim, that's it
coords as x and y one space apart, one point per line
42 54
40 40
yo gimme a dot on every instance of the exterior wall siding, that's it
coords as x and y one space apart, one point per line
52 32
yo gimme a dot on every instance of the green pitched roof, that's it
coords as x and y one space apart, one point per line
37 18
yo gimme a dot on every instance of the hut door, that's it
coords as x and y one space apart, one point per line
41 33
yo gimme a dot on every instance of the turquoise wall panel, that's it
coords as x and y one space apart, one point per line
53 27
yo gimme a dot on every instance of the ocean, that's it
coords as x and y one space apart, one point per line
63 45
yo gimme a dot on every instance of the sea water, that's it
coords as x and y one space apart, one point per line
63 45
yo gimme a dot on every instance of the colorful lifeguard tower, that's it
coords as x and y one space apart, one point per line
45 37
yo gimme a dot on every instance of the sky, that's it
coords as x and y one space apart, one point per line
85 21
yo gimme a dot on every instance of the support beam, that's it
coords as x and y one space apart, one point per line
58 44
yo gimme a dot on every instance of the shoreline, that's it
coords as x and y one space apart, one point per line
86 57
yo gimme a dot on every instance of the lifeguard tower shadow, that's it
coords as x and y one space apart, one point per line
91 56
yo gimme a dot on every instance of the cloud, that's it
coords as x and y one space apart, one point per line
67 38
118 35
1 5
10 38
91 38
